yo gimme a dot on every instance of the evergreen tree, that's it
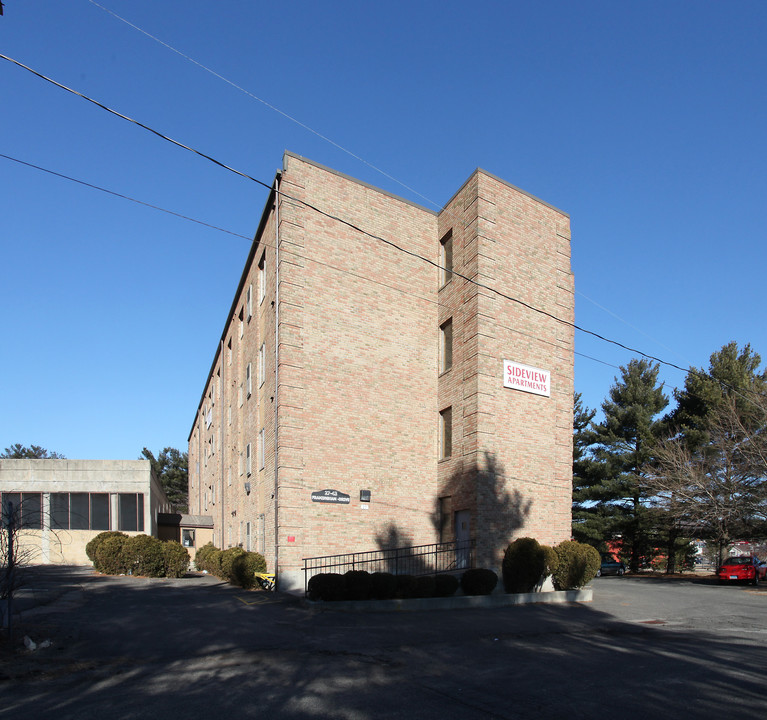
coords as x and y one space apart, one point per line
172 470
733 380
622 444
17 451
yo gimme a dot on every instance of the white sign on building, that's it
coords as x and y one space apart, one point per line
526 378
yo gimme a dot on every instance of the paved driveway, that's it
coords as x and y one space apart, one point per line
136 648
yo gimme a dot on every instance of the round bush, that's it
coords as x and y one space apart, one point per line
445 585
577 564
92 546
245 566
203 555
326 586
524 564
478 581
175 558
405 587
424 586
228 557
383 586
144 556
358 585
108 556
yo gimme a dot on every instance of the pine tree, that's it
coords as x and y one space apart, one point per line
621 445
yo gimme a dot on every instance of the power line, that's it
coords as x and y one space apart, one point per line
124 197
266 103
355 227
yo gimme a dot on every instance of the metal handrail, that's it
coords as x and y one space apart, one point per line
410 560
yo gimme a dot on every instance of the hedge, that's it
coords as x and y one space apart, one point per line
577 564
115 553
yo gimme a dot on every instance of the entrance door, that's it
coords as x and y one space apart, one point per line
462 538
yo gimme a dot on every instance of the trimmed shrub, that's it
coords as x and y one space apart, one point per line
143 555
244 567
358 585
202 557
92 546
383 586
424 586
175 559
226 563
326 586
108 555
577 564
405 587
524 565
445 585
478 581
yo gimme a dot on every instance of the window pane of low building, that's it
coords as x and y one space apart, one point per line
127 519
60 511
140 513
32 510
79 511
12 511
99 511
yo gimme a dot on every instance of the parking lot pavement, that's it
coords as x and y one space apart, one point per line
135 648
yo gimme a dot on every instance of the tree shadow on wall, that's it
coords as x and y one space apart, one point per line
497 512
496 515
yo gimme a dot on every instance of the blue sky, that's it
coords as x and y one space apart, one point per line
645 121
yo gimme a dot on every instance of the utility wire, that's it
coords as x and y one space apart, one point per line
267 104
356 228
124 197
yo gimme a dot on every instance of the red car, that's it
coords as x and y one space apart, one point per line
741 569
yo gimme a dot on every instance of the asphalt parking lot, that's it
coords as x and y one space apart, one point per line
138 648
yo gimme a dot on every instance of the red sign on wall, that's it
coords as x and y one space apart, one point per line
526 378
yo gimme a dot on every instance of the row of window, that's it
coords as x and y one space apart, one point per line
73 511
446 347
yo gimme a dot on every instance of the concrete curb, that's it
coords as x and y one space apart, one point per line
457 602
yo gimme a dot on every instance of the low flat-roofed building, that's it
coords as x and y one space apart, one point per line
62 504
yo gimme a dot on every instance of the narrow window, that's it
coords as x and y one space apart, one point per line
262 279
248 460
99 503
60 511
239 395
242 325
446 433
249 379
130 508
261 364
261 449
446 258
79 511
229 352
446 346
250 301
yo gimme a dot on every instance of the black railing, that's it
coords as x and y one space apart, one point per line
413 560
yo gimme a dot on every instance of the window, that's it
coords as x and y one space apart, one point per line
446 346
446 433
262 279
261 449
239 464
446 258
130 509
187 538
26 509
261 364
250 301
242 325
229 352
248 460
239 395
249 379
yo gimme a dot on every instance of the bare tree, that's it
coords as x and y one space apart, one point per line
718 489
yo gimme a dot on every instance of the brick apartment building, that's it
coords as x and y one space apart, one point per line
430 407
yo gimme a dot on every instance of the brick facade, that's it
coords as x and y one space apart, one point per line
348 396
